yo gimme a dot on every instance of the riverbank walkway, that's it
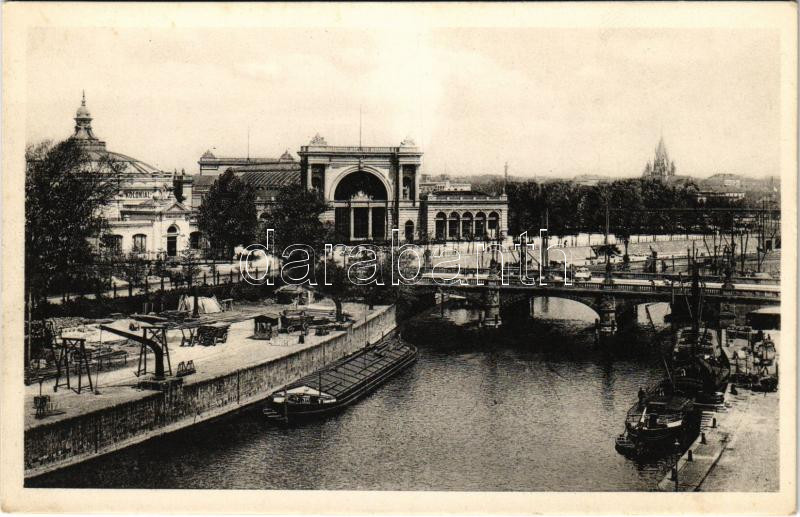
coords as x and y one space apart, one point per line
740 453
239 351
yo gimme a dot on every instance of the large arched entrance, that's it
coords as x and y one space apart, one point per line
361 202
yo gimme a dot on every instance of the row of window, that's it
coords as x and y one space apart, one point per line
140 241
465 226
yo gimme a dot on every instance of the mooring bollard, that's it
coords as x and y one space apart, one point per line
689 456
703 438
714 422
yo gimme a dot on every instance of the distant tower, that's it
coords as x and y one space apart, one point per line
662 167
83 128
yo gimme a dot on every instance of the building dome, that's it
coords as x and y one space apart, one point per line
287 157
96 151
83 111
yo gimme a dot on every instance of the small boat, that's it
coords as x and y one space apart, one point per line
656 423
340 384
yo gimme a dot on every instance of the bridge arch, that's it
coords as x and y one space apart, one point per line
590 304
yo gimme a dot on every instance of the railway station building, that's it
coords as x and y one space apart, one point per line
371 190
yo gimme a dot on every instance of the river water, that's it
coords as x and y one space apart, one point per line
532 406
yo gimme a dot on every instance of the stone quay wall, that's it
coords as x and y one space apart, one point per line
65 442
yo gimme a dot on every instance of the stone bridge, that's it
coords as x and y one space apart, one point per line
614 300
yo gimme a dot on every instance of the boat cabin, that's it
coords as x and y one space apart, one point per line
303 395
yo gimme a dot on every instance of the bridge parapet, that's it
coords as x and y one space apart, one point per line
619 286
513 272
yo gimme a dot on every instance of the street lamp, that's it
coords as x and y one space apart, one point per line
677 455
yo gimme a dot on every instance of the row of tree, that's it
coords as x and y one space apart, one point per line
634 206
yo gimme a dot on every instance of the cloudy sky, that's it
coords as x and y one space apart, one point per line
551 102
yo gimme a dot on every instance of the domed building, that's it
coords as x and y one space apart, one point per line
144 217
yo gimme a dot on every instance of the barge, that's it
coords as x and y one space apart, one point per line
339 384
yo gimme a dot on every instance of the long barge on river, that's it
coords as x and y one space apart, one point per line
341 383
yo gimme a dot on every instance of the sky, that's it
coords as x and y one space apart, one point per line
550 102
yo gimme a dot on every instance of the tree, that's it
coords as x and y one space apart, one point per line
626 199
295 217
339 288
133 269
227 215
189 267
58 230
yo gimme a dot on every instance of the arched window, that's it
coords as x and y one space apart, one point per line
114 243
466 225
493 225
409 231
454 226
172 241
480 225
441 226
139 243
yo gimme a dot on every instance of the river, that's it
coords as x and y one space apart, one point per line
533 406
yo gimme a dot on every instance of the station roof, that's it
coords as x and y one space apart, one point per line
274 178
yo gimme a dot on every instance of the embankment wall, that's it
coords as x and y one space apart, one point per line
55 445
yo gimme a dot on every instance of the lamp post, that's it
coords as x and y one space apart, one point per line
677 455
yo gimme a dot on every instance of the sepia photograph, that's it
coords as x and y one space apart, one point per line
510 250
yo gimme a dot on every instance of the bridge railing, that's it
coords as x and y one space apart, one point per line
641 275
513 272
472 281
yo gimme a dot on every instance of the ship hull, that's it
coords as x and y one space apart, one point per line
297 412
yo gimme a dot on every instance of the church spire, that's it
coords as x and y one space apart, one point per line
662 166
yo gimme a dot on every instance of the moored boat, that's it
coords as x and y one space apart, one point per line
340 384
700 368
656 422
